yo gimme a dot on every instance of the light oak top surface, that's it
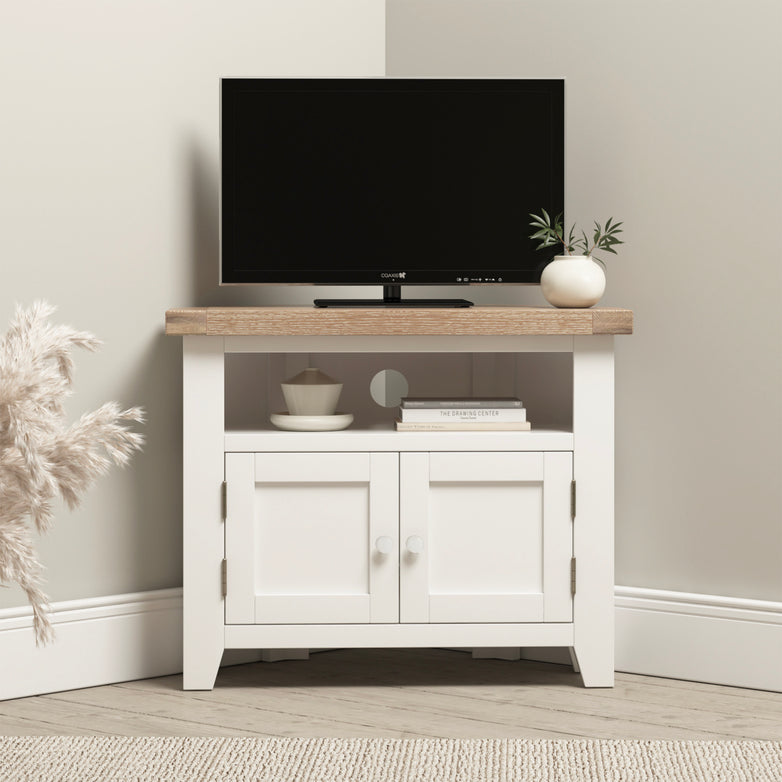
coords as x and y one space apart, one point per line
310 321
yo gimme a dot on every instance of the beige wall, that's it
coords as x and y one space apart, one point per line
674 124
108 209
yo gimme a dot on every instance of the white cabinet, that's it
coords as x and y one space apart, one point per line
370 537
353 538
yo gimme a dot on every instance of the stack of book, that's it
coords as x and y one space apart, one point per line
435 414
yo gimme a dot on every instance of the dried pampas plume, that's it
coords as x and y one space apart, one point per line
41 457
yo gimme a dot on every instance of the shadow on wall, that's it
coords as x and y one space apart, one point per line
154 547
203 194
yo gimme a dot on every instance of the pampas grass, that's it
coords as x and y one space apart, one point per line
41 456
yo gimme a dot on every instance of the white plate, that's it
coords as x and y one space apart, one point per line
311 423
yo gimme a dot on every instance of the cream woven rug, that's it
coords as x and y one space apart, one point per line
110 758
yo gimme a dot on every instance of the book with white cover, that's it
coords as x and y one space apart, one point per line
462 426
410 402
478 414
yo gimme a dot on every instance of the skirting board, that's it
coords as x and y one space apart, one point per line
119 638
694 637
100 640
705 638
97 641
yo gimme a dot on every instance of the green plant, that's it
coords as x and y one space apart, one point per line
552 233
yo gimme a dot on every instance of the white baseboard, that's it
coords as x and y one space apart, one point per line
98 641
720 640
703 638
706 638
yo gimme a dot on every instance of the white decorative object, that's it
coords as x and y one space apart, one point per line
311 423
573 281
41 455
311 393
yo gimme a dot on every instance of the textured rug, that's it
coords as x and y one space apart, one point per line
104 759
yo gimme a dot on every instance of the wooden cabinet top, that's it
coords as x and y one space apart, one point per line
313 321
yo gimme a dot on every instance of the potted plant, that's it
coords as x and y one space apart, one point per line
575 279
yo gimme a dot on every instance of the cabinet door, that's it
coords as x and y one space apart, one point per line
485 537
312 538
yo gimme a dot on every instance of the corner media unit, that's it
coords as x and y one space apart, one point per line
370 537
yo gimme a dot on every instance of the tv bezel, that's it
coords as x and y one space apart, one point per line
337 277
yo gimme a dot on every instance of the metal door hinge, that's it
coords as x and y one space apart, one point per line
573 576
224 576
224 500
572 500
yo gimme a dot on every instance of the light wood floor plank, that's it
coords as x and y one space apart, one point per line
402 712
679 684
404 694
260 713
717 702
73 717
18 726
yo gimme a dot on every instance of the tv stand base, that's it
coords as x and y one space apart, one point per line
392 297
400 303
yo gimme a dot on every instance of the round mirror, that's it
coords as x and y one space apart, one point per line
388 387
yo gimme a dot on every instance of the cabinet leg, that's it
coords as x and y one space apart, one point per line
199 668
593 526
595 661
203 614
574 660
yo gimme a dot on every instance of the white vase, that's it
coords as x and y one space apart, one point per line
311 392
573 281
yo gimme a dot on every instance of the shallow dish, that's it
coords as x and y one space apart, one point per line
311 423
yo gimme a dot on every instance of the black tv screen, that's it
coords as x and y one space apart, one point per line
387 181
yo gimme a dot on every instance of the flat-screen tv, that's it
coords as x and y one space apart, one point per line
387 181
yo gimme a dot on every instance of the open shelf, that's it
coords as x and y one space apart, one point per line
543 381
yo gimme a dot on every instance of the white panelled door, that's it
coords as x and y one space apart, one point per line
485 537
312 538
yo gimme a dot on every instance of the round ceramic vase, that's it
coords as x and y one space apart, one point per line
311 392
573 281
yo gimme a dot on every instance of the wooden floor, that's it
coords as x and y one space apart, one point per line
403 694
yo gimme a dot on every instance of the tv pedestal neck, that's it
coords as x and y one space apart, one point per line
392 297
